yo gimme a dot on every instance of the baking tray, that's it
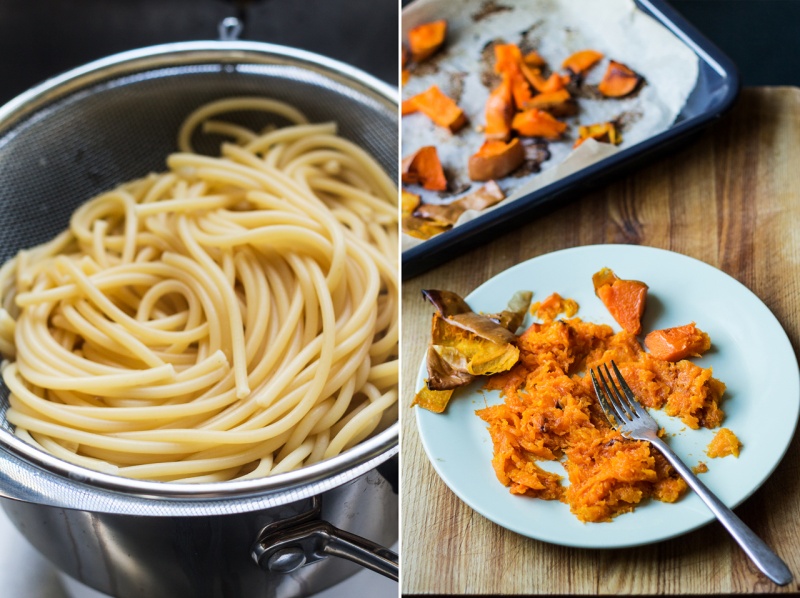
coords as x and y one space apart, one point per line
715 92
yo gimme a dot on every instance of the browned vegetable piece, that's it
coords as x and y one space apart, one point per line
446 215
538 123
499 111
534 59
624 299
423 167
406 75
513 315
432 400
465 344
421 228
582 61
680 342
438 107
425 40
557 103
410 202
442 375
534 76
447 303
618 81
603 132
495 159
508 62
404 56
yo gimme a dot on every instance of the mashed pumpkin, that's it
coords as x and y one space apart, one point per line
550 411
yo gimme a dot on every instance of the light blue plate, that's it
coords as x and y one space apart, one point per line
750 353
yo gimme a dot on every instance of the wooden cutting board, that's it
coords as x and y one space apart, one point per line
730 198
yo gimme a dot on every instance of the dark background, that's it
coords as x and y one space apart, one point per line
42 38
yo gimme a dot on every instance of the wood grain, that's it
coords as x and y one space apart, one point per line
732 199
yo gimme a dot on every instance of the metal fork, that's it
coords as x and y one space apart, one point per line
628 416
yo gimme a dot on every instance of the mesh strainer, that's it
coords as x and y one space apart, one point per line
115 120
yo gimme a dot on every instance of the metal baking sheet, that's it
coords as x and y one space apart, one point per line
715 90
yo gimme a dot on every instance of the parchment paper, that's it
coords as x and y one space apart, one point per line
556 29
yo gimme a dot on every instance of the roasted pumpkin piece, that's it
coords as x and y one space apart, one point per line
405 56
448 214
409 202
406 75
723 444
437 106
432 400
507 58
408 106
557 103
582 61
679 342
603 132
618 81
496 159
424 168
534 59
426 39
538 123
534 76
508 62
499 111
624 299
422 228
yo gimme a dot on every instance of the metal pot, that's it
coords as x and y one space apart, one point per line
113 120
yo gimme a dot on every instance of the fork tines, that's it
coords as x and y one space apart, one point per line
620 407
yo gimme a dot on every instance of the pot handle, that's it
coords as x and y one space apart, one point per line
284 550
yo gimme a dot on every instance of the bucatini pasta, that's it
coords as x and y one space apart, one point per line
233 317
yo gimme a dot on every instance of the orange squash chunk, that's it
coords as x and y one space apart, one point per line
723 444
557 103
534 59
507 58
438 107
424 168
582 61
508 62
495 159
553 83
624 299
499 111
618 80
425 40
409 202
602 132
680 342
538 123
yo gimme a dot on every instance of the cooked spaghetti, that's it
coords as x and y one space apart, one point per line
233 317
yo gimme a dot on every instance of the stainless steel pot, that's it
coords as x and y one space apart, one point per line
111 121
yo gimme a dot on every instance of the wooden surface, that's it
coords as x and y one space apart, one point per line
732 199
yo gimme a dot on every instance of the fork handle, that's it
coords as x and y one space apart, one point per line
762 555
